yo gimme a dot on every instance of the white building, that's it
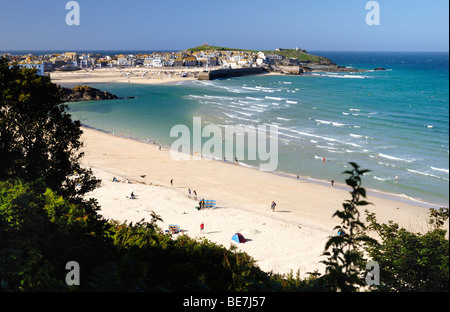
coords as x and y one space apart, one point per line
260 58
148 61
157 62
274 57
86 62
245 62
167 63
125 61
229 64
38 66
153 62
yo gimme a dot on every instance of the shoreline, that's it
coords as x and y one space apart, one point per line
139 75
402 198
290 238
108 78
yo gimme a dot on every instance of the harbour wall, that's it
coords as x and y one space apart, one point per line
225 73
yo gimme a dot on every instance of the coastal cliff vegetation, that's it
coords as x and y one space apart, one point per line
46 222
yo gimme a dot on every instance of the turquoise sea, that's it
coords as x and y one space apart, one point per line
393 122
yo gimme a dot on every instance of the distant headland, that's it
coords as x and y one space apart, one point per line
272 60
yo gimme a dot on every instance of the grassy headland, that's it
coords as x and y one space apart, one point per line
299 54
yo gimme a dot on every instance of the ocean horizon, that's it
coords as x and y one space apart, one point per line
393 122
144 51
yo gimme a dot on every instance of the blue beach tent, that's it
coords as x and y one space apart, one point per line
238 238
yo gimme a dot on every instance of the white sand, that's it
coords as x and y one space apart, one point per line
291 238
140 75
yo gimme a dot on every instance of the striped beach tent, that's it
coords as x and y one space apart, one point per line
209 203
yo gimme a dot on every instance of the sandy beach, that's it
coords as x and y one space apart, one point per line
141 75
290 238
135 75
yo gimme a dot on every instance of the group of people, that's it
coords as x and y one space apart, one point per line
235 160
192 194
125 181
132 196
298 178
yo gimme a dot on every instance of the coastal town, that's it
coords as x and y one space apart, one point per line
203 57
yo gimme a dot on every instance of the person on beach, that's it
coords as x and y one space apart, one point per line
171 182
273 206
332 182
195 194
132 196
189 193
202 227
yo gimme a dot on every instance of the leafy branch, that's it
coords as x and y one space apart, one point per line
345 259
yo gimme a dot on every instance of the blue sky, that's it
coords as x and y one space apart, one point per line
320 25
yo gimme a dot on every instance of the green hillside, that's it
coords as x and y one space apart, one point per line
288 53
214 48
302 56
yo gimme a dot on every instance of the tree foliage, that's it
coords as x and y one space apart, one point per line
345 262
40 232
38 138
412 261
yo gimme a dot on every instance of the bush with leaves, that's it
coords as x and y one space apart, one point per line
40 232
412 261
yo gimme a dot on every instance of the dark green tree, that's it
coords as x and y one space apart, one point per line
38 138
40 232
